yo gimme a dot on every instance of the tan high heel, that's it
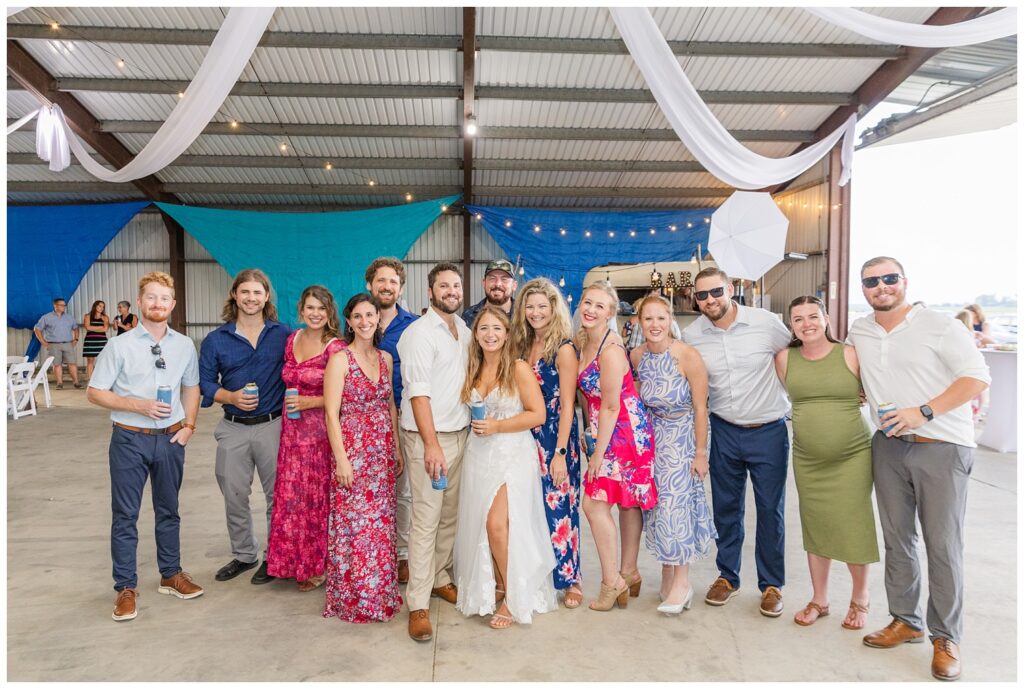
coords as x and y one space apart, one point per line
611 596
633 580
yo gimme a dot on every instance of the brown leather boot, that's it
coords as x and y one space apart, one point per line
403 571
124 608
447 592
419 625
897 632
946 660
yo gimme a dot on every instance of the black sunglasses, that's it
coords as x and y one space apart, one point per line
888 278
156 351
703 294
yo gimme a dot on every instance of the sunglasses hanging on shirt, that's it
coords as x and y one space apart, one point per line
156 351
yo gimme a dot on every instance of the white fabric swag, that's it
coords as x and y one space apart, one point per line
989 27
228 55
695 124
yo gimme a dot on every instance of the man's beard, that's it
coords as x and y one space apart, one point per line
501 302
156 316
386 301
719 316
441 306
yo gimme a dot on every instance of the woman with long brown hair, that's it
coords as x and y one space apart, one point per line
96 324
297 546
831 458
495 564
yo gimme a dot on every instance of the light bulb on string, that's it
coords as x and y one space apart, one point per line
508 223
672 228
561 281
568 298
689 225
120 62
562 232
522 270
632 233
328 166
536 228
611 233
283 146
372 183
408 196
652 230
587 233
55 26
479 216
444 207
233 124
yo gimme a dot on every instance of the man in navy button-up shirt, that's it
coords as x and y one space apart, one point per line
248 348
385 279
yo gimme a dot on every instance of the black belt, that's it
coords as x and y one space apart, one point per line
64 342
253 420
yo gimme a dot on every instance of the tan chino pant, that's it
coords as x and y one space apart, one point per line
434 515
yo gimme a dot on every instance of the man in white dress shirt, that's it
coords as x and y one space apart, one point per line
434 426
748 434
926 364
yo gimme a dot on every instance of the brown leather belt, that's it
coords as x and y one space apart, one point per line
911 438
152 431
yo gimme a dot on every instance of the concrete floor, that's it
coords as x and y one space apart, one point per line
60 598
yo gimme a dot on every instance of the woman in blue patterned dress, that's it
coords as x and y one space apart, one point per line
674 387
541 331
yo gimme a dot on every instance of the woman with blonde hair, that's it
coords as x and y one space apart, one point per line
541 333
502 547
619 464
297 543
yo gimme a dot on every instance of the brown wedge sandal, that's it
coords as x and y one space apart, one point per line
634 581
858 608
610 597
822 612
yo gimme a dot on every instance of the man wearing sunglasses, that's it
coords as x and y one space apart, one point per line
149 437
926 364
748 433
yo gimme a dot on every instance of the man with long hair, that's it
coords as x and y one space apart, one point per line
248 348
149 437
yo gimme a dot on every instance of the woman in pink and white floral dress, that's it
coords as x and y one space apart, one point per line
619 469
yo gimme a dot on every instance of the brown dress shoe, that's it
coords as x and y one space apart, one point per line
946 660
124 608
896 633
720 592
419 625
447 592
771 602
180 585
403 571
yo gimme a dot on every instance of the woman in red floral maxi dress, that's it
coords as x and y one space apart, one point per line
362 576
297 546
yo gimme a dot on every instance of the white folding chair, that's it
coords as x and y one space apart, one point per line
11 360
40 379
19 386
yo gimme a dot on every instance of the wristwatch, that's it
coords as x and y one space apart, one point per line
927 412
561 451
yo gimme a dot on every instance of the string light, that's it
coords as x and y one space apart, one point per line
470 126
372 183
562 232
508 223
328 166
611 234
479 216
444 207
569 299
233 124
632 233
120 62
522 270
55 26
561 283
536 228
408 196
181 94
672 228
707 220
283 146
652 230
587 233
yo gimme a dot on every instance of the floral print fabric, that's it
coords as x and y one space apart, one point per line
362 577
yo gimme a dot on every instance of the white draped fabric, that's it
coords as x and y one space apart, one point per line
695 124
22 122
228 55
989 27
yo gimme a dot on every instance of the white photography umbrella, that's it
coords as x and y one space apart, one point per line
748 235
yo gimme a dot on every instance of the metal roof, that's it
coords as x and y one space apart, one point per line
565 118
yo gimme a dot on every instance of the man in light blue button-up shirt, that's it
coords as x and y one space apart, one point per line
748 433
149 437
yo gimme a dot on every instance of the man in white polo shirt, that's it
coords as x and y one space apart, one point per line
926 364
434 421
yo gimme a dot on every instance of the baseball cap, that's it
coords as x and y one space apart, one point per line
500 264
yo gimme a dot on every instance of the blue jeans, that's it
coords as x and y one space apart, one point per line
764 453
133 458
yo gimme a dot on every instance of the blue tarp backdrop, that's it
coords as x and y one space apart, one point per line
300 249
550 253
49 251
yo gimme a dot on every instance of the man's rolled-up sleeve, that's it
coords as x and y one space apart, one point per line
416 356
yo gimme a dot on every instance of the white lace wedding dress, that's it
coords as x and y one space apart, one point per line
509 459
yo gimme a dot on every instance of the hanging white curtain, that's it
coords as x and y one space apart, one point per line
989 27
22 122
695 124
228 55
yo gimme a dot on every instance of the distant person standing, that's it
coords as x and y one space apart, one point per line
247 349
499 285
125 320
385 280
149 438
926 364
748 433
96 324
57 331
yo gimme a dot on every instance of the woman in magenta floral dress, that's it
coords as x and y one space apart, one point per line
297 546
619 469
362 575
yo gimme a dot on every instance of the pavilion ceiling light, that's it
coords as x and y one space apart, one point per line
479 216
328 166
372 183
444 208
283 146
471 126
55 26
233 124
536 228
181 94
562 231
120 62
408 196
561 282
508 223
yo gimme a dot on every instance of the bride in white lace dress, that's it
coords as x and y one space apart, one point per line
502 547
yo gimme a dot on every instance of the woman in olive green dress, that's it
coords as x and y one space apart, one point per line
831 458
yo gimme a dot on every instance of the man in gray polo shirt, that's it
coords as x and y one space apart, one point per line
57 331
926 364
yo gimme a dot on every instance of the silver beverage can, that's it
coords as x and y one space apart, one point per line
883 409
164 394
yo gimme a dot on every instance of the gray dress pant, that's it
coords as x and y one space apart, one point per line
928 480
242 449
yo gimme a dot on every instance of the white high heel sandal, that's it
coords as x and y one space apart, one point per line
676 609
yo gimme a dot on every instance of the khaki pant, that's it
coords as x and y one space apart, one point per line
434 515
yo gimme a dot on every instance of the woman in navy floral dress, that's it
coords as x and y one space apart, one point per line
541 330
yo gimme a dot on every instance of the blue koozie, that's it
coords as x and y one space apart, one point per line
478 410
439 483
591 442
292 392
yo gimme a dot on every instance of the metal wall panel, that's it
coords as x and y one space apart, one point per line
791 279
144 237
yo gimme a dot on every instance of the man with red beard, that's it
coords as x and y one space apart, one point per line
149 437
385 280
499 285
